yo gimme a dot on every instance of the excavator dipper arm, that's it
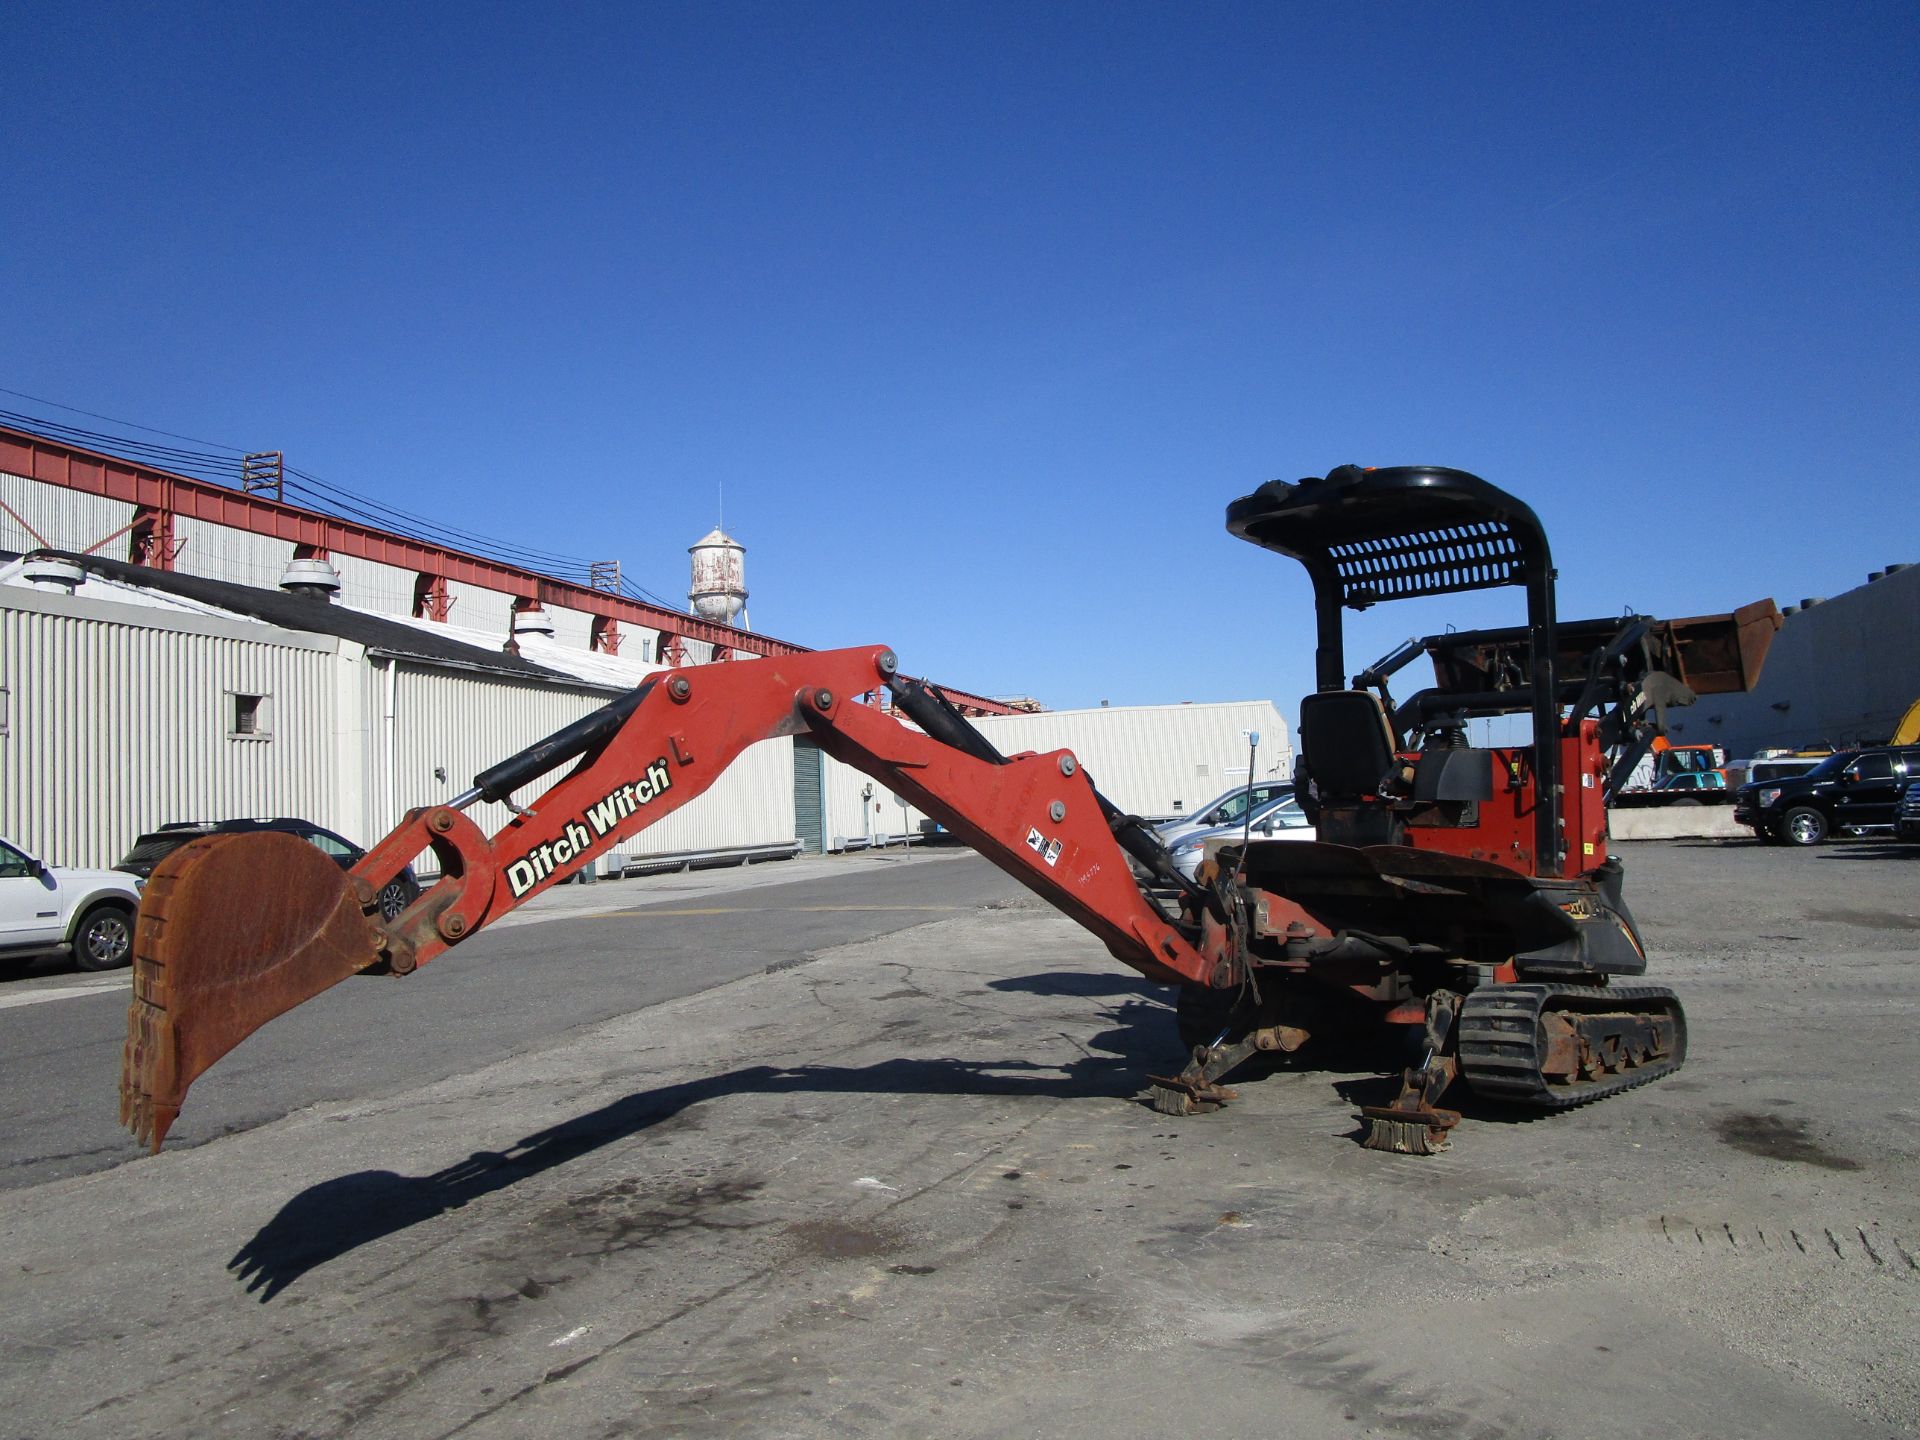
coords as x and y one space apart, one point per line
237 929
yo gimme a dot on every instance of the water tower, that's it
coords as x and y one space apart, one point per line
719 590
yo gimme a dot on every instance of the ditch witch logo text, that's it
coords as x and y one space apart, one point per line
602 816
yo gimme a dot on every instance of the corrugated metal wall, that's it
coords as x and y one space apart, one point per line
63 519
118 719
115 726
752 804
460 724
573 628
369 585
1155 759
220 552
847 810
1149 760
480 609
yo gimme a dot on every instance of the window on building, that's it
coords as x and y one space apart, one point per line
249 717
6 709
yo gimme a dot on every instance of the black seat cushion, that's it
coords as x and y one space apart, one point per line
1347 741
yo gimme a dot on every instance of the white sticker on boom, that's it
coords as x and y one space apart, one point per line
1052 856
1036 840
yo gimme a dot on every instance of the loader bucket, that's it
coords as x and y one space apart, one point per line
233 930
1723 654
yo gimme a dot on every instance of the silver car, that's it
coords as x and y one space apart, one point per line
1280 818
1225 809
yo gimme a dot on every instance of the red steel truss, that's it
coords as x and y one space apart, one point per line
162 496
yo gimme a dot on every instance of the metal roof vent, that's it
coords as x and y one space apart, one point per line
311 576
44 571
532 621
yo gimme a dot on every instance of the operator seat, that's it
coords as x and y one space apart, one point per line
1347 753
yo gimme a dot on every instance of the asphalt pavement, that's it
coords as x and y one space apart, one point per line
908 1188
592 952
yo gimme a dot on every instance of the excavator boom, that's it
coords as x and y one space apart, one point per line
217 954
1466 891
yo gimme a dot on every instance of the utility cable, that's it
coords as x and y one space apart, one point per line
311 490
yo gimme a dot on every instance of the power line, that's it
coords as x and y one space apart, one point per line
197 461
318 494
367 508
132 424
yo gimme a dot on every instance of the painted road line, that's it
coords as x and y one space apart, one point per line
67 992
120 982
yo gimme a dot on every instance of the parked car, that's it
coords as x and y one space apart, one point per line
1906 820
150 849
56 910
1281 818
1225 809
1850 792
1688 787
1701 787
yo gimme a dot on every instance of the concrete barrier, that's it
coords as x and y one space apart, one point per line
1676 822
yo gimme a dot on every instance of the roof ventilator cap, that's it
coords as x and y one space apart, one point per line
312 576
532 621
46 571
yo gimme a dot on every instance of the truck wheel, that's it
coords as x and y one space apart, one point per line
1803 825
104 938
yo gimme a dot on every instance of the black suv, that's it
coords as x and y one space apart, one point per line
149 850
1906 821
1849 791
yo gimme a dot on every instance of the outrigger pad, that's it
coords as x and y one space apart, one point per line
233 930
1407 1132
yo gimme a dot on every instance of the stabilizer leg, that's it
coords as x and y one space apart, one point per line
1197 1089
1413 1124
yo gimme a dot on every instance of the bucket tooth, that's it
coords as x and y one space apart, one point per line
233 930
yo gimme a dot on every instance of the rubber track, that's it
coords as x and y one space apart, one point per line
1500 1042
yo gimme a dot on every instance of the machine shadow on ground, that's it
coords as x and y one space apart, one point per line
338 1216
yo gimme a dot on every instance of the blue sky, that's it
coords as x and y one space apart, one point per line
981 314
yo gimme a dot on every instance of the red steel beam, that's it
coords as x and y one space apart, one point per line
54 462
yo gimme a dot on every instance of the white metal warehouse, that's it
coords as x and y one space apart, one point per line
132 699
128 705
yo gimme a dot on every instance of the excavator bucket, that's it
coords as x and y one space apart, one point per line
233 930
1723 654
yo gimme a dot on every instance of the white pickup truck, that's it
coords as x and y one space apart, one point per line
53 910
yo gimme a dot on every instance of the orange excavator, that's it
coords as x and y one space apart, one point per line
1460 904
